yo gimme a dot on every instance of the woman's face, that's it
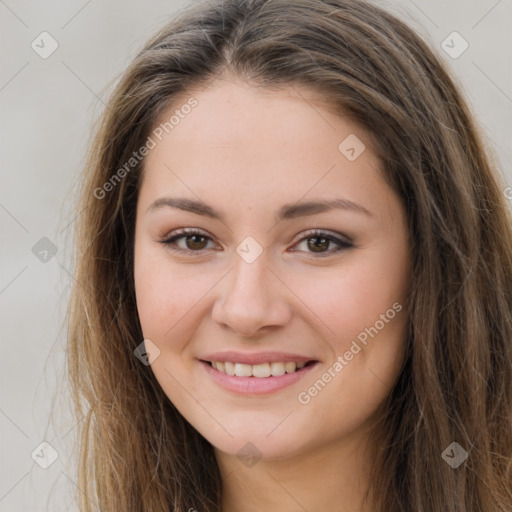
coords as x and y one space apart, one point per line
292 272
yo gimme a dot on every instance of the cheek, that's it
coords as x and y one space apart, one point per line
365 308
168 296
353 298
362 311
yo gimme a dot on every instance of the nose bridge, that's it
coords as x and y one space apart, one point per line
248 277
249 300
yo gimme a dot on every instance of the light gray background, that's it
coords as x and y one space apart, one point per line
47 107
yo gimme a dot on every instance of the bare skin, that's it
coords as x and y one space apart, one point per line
247 152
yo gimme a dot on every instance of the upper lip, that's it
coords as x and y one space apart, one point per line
257 358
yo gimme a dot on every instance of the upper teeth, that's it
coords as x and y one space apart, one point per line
256 370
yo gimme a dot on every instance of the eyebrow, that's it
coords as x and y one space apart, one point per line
286 212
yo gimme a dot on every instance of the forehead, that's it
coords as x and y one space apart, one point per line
241 142
231 111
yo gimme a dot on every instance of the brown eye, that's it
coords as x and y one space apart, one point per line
187 241
320 243
195 242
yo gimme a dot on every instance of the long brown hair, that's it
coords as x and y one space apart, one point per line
137 453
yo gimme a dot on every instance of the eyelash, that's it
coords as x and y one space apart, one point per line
187 232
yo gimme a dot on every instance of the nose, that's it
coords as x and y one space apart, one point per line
252 299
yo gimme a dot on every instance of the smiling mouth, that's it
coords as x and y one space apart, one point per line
263 370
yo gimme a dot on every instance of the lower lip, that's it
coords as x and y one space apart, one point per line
256 385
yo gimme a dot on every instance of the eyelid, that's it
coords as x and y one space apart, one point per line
186 231
319 232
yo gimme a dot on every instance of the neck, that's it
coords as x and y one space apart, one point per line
334 476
